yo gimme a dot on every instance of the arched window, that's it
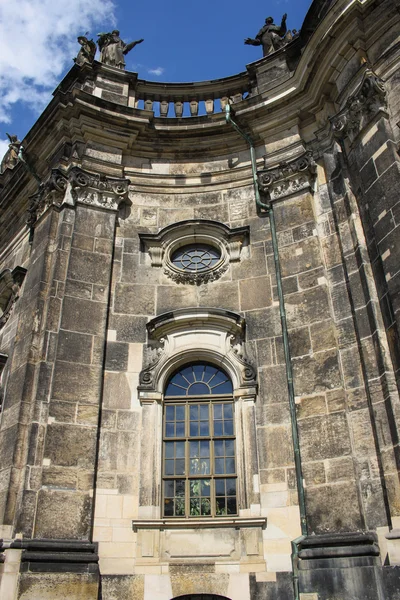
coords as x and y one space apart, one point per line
199 466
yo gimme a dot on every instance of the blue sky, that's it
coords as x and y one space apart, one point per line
184 41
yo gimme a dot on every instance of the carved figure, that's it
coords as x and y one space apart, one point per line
11 157
112 49
87 52
271 37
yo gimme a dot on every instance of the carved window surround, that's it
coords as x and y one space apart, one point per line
288 177
184 335
361 107
10 284
77 186
227 241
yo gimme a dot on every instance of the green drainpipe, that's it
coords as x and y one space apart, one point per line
288 360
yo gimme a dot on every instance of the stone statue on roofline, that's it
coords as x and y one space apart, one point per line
87 52
11 157
271 37
113 49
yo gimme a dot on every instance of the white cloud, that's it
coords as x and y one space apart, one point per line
37 44
157 71
3 148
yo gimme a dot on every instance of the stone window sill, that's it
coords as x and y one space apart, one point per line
203 523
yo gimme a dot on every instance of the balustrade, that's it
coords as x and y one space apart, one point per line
191 99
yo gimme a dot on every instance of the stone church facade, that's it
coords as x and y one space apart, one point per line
199 329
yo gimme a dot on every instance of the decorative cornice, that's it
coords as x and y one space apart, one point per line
288 177
77 186
10 284
360 107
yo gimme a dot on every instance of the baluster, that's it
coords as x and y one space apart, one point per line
209 106
224 101
194 108
148 104
237 97
164 106
178 105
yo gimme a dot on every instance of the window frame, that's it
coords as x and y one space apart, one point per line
211 400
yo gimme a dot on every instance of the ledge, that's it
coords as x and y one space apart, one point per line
236 522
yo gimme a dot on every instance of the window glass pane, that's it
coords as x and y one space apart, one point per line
219 448
179 466
180 487
169 449
195 257
231 487
228 427
231 506
220 487
169 489
204 412
168 507
217 427
180 449
204 428
194 412
217 411
170 413
180 429
169 467
219 466
200 378
199 389
230 465
180 413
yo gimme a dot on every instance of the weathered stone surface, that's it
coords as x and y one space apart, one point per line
74 347
128 586
73 382
333 508
116 392
316 373
52 507
83 316
117 356
323 437
129 328
220 294
170 297
307 307
70 445
255 293
134 299
48 586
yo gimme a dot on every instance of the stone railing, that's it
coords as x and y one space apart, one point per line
191 99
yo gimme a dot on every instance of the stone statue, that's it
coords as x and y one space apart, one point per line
112 49
11 157
271 37
87 52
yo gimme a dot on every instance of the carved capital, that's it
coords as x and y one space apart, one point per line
360 107
288 177
75 186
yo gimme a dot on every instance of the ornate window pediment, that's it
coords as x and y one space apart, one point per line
195 252
10 283
212 335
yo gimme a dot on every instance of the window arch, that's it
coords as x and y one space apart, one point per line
199 454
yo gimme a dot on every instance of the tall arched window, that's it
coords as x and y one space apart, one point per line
199 466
